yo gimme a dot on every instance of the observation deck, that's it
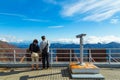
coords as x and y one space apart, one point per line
14 67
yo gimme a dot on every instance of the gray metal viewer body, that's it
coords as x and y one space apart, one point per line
81 47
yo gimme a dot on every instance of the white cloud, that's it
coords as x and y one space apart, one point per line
23 17
66 40
114 21
35 20
8 38
90 39
12 14
55 26
93 10
102 39
87 39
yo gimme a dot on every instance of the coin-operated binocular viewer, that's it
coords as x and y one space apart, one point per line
81 47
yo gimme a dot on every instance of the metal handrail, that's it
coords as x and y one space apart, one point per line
114 59
71 58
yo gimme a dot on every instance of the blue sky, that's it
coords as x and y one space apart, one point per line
60 20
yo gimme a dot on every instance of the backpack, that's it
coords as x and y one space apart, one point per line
45 48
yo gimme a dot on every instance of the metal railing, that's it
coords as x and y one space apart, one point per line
62 55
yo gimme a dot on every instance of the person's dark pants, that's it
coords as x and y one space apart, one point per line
45 58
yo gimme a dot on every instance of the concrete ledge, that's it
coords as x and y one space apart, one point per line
117 65
100 65
87 76
20 65
87 71
87 68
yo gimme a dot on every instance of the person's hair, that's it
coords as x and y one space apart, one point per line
35 41
43 37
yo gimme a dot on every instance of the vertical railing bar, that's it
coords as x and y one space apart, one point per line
51 52
14 55
70 55
90 56
109 53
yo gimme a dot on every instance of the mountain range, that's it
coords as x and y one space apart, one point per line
71 45
6 45
60 45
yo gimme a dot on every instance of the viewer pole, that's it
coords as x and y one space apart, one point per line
81 47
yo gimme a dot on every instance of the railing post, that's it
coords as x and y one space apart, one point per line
14 56
70 55
90 57
109 53
51 57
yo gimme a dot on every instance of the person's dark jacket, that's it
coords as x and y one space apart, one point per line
34 48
